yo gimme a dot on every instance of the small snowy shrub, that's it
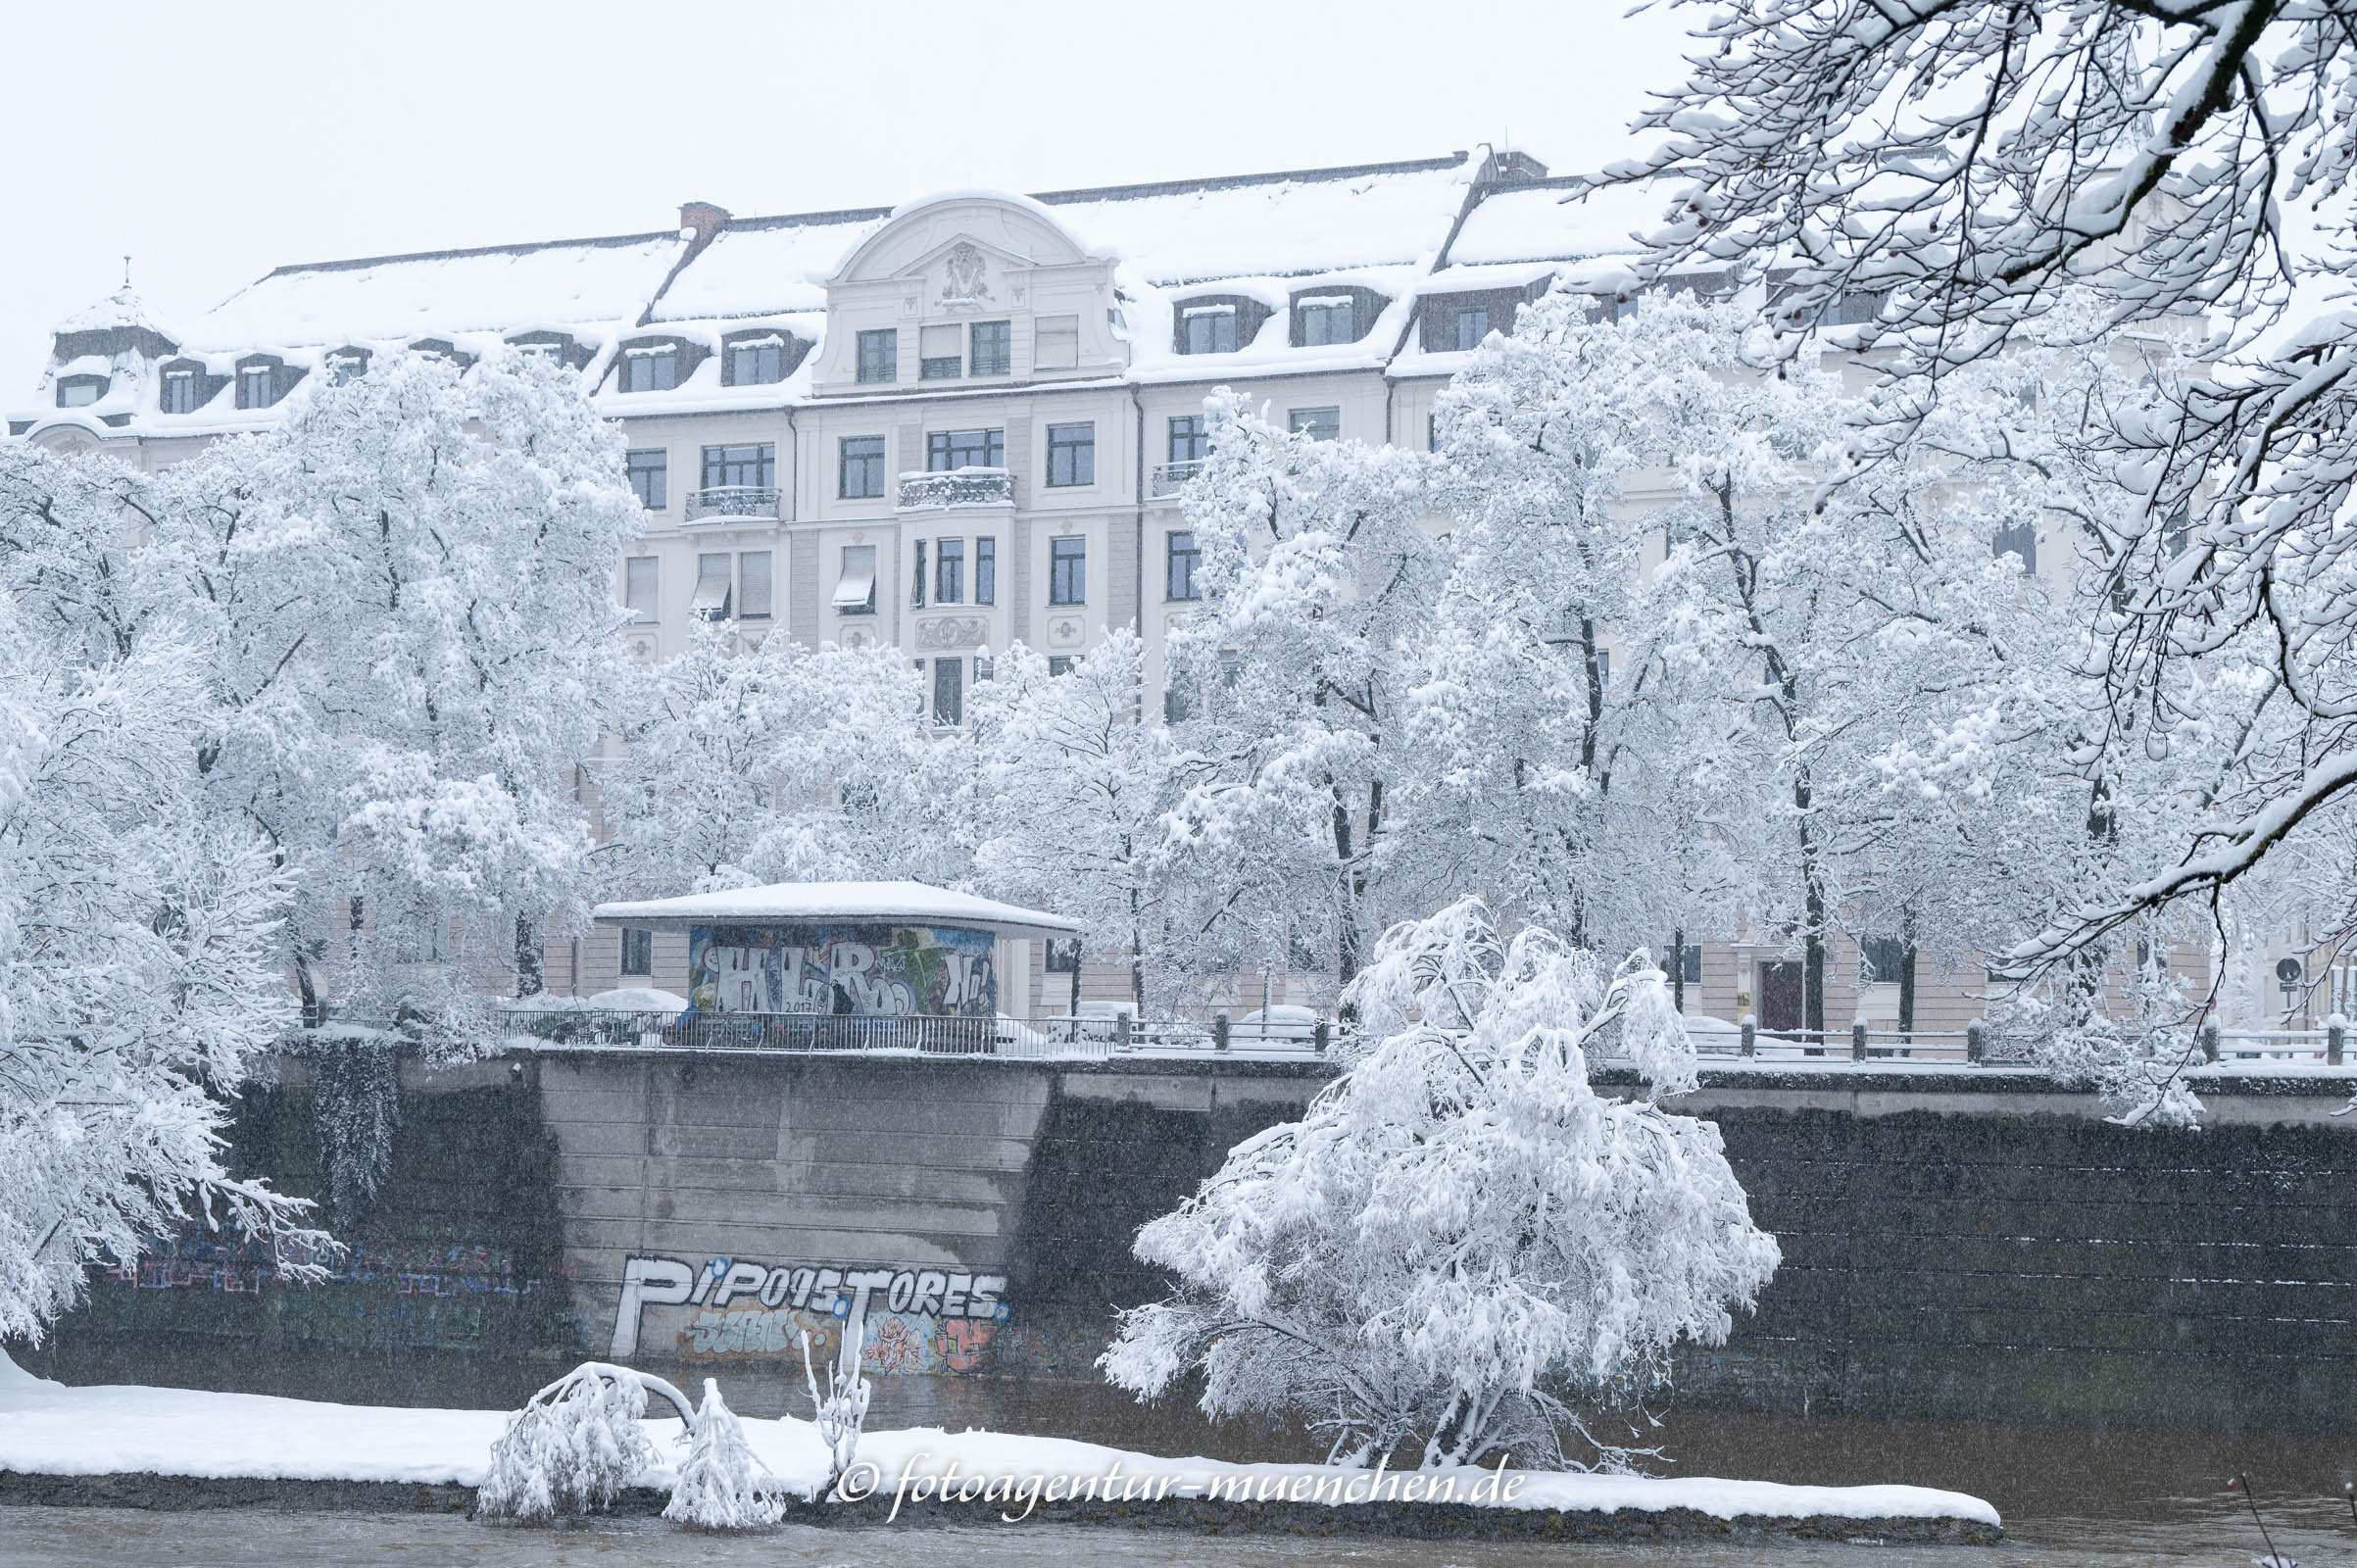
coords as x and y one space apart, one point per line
842 1411
722 1484
1461 1245
573 1446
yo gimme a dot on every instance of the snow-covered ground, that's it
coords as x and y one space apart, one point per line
49 1429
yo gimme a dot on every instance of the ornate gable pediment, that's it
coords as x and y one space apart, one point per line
961 242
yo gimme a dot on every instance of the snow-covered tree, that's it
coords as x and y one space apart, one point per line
574 1444
722 1483
841 1412
1462 1248
1316 574
1075 786
403 598
757 762
138 924
1970 166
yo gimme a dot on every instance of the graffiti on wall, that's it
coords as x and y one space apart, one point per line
914 1320
858 969
196 1261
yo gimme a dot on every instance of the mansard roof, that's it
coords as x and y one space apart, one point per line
1396 230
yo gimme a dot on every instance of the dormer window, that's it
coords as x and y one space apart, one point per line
80 391
1328 318
347 365
756 361
441 348
179 392
652 369
552 353
1211 329
263 379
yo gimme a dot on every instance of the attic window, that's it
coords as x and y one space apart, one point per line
553 352
756 361
1328 318
654 368
941 352
1211 329
179 392
80 391
347 365
256 385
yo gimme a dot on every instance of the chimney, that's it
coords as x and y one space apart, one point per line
700 220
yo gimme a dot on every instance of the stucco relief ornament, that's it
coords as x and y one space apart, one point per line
965 281
1064 632
952 631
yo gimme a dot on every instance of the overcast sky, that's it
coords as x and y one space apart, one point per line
215 142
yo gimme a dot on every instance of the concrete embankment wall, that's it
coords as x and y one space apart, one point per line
1967 1244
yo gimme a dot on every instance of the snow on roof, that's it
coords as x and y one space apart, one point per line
122 308
1278 226
398 298
766 266
825 903
1535 223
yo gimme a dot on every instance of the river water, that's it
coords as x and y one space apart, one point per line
2112 1495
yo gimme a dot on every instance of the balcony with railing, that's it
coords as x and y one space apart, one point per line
956 488
1169 478
745 501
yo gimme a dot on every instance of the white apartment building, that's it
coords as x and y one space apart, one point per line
943 427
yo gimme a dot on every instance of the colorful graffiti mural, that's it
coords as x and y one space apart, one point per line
920 1322
855 969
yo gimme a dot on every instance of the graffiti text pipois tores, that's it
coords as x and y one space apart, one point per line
746 1306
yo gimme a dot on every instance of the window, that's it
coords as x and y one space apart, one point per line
554 353
1472 326
1176 710
80 391
751 467
917 578
1881 961
650 370
710 598
1071 454
880 354
946 450
255 387
347 367
1328 321
639 587
948 691
638 951
1318 425
986 572
862 467
2018 539
1188 441
752 585
937 355
179 391
1063 957
1183 559
1603 660
1690 964
994 348
756 361
1067 571
855 589
1210 329
949 572
1056 343
651 478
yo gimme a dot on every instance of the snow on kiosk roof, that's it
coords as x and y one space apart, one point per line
838 904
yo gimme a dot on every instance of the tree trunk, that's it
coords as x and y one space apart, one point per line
1678 968
1813 922
1906 976
527 957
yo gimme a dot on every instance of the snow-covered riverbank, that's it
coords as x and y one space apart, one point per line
49 1429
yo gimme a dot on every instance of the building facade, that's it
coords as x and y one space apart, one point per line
949 425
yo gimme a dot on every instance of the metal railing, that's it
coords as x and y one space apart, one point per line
1169 478
959 487
924 1034
733 501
